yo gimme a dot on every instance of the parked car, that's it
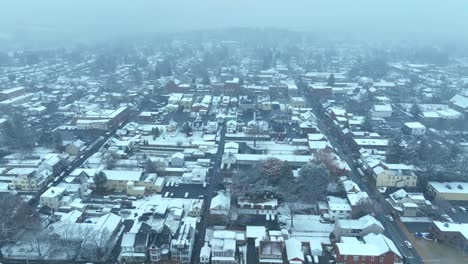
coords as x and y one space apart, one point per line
453 210
462 209
390 218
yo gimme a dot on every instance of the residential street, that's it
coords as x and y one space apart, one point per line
214 180
392 230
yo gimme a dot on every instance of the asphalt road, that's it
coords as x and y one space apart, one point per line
76 163
214 180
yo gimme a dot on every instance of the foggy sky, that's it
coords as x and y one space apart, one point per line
78 19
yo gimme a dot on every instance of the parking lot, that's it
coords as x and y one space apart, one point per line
432 252
179 191
458 214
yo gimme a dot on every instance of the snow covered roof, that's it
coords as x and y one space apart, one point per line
179 155
294 250
414 125
461 228
460 101
123 175
383 108
375 245
360 223
205 251
450 187
355 198
255 231
220 201
53 192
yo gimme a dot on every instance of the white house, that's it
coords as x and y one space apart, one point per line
220 204
358 227
382 111
338 208
414 128
294 252
205 254
223 248
51 198
177 160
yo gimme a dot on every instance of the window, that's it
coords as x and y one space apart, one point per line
381 259
396 260
356 258
372 258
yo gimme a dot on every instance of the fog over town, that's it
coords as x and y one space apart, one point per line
234 131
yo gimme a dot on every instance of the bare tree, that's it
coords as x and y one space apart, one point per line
327 158
16 216
95 243
40 242
363 207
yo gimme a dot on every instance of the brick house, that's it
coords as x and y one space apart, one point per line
374 249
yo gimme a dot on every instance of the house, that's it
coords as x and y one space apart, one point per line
76 147
118 180
357 227
183 242
205 254
72 227
51 197
394 175
28 179
459 103
270 251
407 204
294 253
195 208
220 205
449 191
177 159
381 111
54 162
159 249
231 126
186 101
338 208
231 147
255 232
135 243
223 247
369 143
414 128
374 249
297 102
454 234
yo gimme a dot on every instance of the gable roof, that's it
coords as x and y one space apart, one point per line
460 101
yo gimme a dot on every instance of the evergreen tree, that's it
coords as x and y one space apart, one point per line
100 180
331 80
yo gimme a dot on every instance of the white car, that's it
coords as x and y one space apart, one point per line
390 218
408 244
